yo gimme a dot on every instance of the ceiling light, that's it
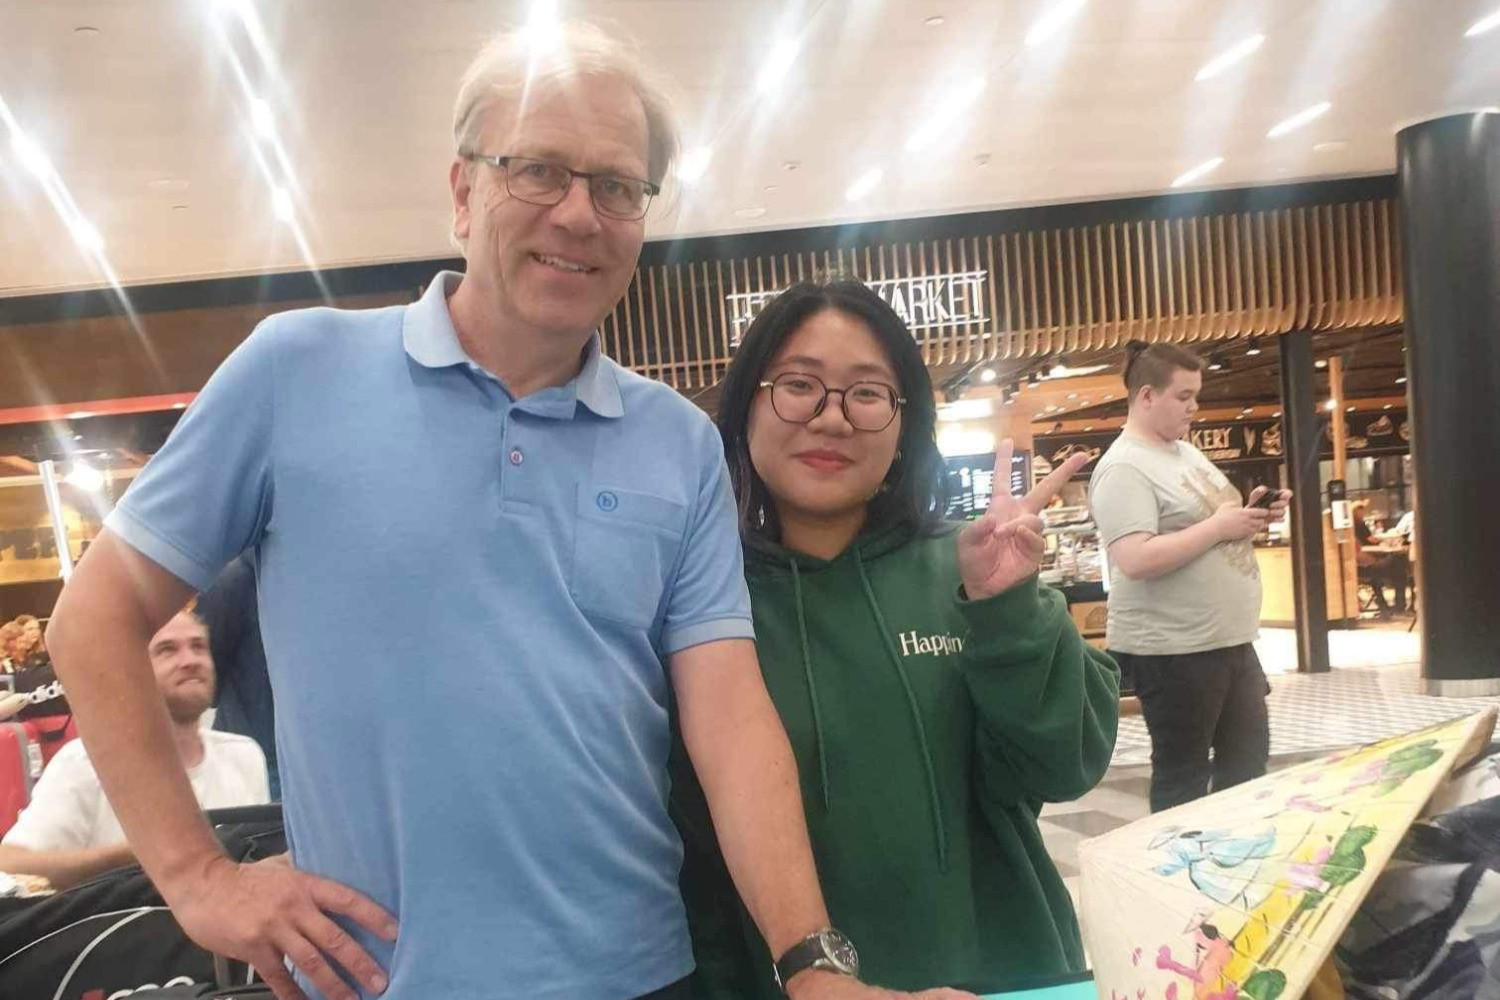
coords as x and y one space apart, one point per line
1089 428
769 188
30 154
281 202
944 113
791 165
864 184
1401 380
1488 23
1248 409
753 212
179 406
261 117
1321 363
1217 362
1254 349
1201 170
1349 409
85 477
1038 416
85 235
1331 405
81 414
776 66
1109 395
1053 21
1239 416
543 31
1330 147
694 164
1276 414
1072 395
935 20
1387 406
1229 57
987 375
1298 120
85 29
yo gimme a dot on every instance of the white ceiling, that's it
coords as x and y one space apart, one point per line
145 123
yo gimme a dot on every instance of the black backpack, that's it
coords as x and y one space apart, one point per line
114 934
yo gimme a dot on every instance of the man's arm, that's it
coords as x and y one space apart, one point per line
64 869
104 620
1146 556
744 762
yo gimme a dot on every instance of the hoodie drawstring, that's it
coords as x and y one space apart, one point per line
911 700
812 687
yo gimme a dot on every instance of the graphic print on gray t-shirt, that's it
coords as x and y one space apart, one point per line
1208 603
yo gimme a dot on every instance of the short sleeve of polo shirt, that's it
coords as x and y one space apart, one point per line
206 495
709 599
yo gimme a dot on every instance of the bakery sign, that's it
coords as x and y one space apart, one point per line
923 303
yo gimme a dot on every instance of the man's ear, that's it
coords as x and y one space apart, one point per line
461 184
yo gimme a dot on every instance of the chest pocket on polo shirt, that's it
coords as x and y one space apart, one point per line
625 547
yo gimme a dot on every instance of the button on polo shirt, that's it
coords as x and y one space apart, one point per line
466 602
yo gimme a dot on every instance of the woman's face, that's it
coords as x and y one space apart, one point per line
824 468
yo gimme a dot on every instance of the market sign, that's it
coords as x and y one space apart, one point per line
924 303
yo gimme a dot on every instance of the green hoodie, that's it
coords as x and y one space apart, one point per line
928 730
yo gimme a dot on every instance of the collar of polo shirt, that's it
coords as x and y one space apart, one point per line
432 342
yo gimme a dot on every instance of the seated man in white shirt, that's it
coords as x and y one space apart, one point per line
69 833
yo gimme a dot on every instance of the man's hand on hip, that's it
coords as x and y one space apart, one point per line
269 913
816 984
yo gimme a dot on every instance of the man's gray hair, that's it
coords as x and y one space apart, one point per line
512 62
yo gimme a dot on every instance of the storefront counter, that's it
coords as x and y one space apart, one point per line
1340 579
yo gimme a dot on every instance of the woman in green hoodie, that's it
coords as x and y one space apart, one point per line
935 694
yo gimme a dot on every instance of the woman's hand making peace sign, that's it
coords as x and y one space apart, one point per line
1005 546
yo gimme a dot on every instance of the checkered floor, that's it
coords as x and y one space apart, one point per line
1374 691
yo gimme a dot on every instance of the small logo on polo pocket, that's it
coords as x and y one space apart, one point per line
607 501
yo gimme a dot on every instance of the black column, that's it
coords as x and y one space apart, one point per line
1302 434
1449 188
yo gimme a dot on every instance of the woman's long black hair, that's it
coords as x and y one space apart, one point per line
915 490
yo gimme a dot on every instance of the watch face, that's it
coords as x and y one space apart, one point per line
840 951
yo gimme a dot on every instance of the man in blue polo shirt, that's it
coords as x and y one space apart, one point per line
479 541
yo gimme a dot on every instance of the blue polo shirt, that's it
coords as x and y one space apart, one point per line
466 602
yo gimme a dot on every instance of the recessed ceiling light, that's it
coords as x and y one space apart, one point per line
179 208
1254 349
179 406
1276 414
1330 147
1348 409
774 70
1072 395
1331 405
1229 57
754 212
694 164
864 184
1487 23
1248 409
1387 406
1298 120
81 414
1401 380
1109 396
1053 21
1089 428
1239 416
85 29
769 188
791 165
987 375
1321 363
935 20
1201 170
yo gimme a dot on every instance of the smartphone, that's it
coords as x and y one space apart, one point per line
1266 499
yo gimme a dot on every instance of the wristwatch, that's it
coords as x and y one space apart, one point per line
825 949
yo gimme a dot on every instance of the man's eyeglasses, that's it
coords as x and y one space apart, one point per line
538 182
798 398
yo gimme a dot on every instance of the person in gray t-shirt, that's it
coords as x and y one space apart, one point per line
1184 597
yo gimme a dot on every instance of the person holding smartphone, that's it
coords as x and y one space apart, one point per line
1185 591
